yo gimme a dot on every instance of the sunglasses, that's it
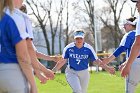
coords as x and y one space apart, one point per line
79 33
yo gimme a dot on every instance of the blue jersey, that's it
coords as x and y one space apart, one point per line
12 31
126 43
78 58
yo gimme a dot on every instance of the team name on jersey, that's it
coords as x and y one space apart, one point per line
77 56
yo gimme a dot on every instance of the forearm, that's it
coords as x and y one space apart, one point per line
25 63
111 58
32 53
99 63
106 67
28 72
43 56
42 67
59 65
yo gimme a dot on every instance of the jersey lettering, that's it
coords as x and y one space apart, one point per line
78 61
78 56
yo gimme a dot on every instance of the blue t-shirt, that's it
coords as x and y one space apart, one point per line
78 58
10 34
126 44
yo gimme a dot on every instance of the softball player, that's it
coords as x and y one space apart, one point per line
78 54
14 58
38 67
125 46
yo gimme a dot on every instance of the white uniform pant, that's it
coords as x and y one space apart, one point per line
134 77
12 79
78 80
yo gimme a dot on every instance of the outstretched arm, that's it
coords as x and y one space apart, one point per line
110 69
37 66
44 56
116 53
47 57
59 65
108 59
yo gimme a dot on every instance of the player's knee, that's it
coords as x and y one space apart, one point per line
77 91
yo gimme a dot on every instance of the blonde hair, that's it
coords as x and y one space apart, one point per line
5 3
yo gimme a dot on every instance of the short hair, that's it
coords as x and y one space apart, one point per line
23 8
134 1
133 20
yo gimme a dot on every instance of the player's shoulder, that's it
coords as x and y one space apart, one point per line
131 33
70 45
6 19
15 14
87 45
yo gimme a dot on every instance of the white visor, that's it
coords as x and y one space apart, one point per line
79 34
129 22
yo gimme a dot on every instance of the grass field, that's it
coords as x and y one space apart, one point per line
100 82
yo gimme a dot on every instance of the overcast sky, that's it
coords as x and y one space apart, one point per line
98 4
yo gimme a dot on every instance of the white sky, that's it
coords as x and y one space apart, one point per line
98 4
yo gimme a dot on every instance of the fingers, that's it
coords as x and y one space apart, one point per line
124 72
105 60
57 58
49 74
43 79
112 70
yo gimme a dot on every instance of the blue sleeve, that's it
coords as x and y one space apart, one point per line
13 32
66 55
92 56
129 42
119 50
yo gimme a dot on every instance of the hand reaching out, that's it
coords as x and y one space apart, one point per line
43 79
57 58
105 60
110 69
125 70
122 66
49 74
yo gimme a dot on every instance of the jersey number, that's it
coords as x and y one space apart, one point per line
78 61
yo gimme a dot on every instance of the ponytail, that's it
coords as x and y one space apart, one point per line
6 3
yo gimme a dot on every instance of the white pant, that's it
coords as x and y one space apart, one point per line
12 79
134 77
78 80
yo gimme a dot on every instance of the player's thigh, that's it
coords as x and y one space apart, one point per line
84 77
134 72
73 80
12 79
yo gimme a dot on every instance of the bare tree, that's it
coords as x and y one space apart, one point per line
43 12
114 11
42 20
89 5
67 25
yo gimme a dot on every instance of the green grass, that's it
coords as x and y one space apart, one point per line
100 82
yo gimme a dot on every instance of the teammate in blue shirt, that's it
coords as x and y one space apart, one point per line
125 46
42 73
136 46
15 65
77 55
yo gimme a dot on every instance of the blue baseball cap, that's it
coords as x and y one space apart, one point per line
79 34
